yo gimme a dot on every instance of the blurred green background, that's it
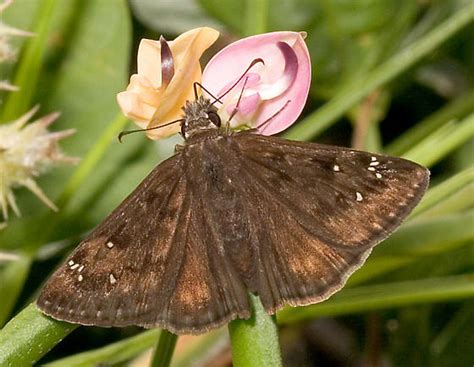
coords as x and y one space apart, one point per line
395 76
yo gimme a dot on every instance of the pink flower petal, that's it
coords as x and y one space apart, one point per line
285 76
248 105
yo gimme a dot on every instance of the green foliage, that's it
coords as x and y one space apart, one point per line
422 276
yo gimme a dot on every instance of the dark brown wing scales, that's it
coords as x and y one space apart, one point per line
318 211
147 264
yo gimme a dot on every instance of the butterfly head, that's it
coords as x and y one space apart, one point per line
200 115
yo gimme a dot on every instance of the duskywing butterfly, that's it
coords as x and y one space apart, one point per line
232 213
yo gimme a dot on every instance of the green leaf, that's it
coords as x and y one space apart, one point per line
29 336
255 341
388 295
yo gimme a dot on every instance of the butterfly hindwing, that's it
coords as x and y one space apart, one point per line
318 211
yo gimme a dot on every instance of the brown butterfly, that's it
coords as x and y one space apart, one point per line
232 213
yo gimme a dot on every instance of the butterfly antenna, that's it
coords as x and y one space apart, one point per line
128 132
252 64
273 116
236 108
196 84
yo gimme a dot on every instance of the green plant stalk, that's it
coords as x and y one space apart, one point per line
164 349
256 17
444 190
456 109
13 276
29 336
255 341
30 64
383 296
442 142
320 120
114 353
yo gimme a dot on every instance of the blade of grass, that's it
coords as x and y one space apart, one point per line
444 190
164 349
30 63
29 336
320 120
460 201
415 240
456 109
255 341
381 296
114 353
442 142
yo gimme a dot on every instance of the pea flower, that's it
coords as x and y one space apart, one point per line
261 81
26 151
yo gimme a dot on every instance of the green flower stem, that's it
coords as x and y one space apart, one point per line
320 120
114 353
164 349
256 17
255 341
456 109
29 336
382 296
442 142
30 64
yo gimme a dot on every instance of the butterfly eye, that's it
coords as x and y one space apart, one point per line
214 117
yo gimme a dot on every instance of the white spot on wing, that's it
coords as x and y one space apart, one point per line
70 263
80 278
374 163
373 159
336 168
359 196
81 268
110 244
378 175
112 279
371 169
75 266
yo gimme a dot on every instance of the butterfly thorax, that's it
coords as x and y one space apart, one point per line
200 116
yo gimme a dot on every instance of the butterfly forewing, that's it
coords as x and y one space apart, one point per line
229 214
150 263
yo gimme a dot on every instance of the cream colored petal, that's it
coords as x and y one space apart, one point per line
134 108
149 61
187 50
